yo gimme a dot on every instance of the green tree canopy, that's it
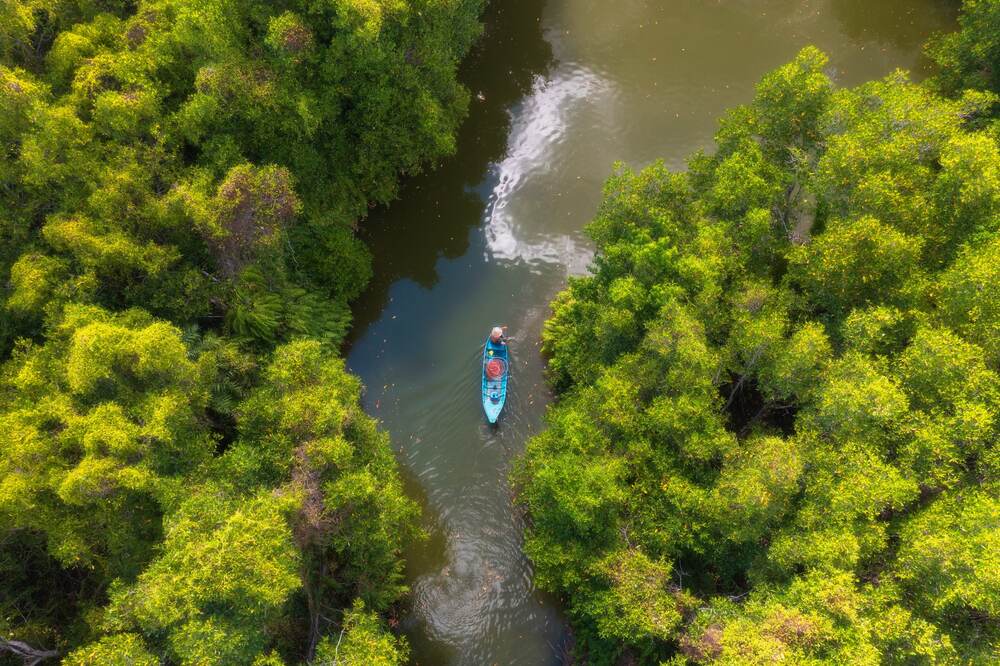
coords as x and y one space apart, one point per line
776 433
182 456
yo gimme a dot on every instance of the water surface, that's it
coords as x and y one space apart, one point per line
561 89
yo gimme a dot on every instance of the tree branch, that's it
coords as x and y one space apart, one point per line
749 367
312 598
30 655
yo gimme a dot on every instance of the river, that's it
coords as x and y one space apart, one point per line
561 89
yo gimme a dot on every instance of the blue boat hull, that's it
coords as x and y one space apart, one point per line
494 390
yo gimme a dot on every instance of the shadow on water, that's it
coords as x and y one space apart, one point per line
423 554
436 210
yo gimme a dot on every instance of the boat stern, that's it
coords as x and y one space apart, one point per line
492 412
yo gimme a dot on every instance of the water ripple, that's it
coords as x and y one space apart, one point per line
540 131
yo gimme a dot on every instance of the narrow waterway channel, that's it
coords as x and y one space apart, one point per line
561 89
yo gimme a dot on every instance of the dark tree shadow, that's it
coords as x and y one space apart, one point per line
436 210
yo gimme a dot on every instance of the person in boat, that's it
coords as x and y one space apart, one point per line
498 335
496 367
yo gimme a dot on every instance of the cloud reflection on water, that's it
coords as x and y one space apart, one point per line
535 155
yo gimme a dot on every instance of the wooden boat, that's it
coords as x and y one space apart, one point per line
496 371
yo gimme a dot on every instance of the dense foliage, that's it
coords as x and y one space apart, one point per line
780 387
970 57
185 472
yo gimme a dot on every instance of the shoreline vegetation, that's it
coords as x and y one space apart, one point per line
779 385
186 475
779 396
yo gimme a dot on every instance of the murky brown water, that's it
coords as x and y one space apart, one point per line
564 88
